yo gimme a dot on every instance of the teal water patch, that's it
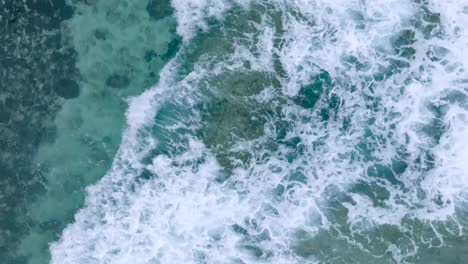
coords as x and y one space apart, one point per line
33 60
120 48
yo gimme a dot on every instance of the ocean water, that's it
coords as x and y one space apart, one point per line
241 131
112 50
65 81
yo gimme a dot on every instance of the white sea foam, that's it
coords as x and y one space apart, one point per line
276 203
192 16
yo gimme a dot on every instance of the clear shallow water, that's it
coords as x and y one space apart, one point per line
78 129
279 132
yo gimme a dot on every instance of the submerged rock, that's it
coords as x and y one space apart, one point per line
159 9
67 88
4 116
100 34
118 81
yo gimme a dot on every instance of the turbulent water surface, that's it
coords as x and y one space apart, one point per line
257 131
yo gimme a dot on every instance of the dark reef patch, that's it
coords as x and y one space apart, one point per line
159 9
118 81
67 88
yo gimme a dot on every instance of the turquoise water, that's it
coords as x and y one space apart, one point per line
256 132
119 48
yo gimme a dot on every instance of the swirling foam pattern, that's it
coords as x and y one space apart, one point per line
301 131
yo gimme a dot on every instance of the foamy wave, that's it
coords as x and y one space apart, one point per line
275 173
193 15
